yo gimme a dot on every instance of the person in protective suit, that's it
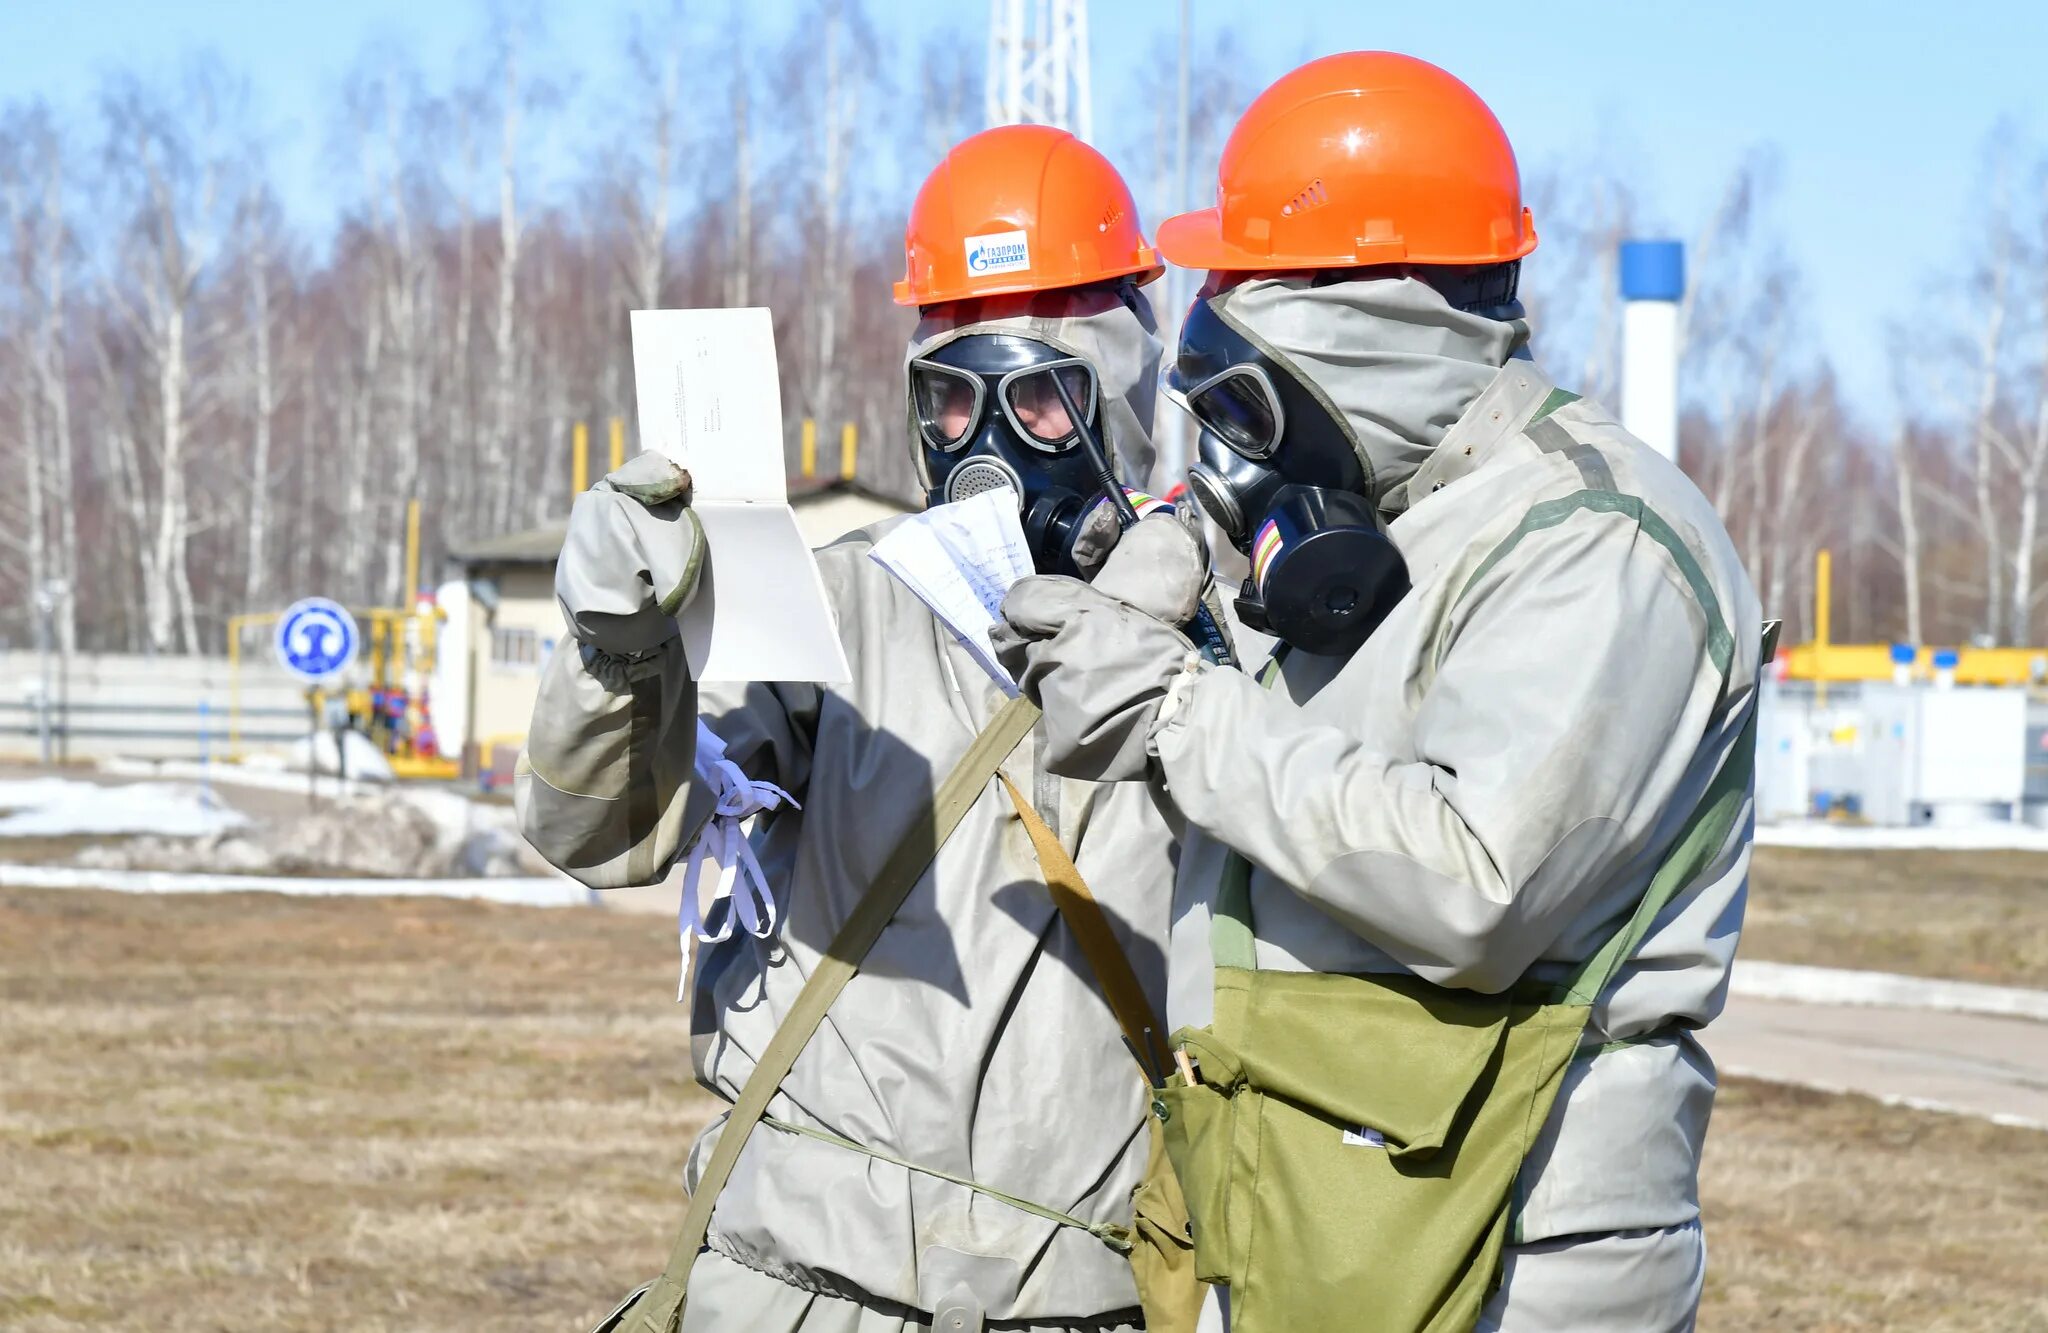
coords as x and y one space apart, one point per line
959 1141
1465 866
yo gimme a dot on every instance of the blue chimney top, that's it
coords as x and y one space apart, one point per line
1652 270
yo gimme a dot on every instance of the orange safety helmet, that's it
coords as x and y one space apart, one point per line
1020 208
1362 158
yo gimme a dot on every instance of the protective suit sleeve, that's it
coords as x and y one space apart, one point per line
606 787
1572 691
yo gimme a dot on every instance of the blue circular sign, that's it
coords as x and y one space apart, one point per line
316 639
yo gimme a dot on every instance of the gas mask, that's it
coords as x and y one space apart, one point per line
1280 473
998 409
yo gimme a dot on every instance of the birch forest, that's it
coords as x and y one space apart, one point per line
210 404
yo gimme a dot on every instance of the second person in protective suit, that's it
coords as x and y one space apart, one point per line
1465 866
960 1138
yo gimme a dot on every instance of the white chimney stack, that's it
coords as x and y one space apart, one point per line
1652 282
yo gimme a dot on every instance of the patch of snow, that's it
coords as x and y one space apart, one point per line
555 891
265 771
1835 985
399 832
1986 837
366 763
66 807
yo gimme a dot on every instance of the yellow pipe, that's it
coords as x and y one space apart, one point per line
1873 661
809 466
618 443
412 555
237 624
378 634
579 468
235 685
849 439
1823 580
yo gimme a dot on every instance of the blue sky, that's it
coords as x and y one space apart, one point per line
1878 111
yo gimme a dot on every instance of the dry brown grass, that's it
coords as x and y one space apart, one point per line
252 1112
1971 916
255 1112
1838 1213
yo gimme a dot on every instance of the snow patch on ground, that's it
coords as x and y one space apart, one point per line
67 807
1986 837
401 833
555 891
1834 985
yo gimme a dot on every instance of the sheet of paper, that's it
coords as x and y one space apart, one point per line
960 559
710 399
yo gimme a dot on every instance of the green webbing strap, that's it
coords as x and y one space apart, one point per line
1555 399
1231 941
1116 1237
660 1310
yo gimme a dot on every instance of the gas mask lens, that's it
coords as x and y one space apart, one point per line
1239 408
948 402
1032 401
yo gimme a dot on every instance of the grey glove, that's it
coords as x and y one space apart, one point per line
631 560
1095 537
1098 658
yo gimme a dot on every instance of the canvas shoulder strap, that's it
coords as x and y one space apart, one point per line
659 1309
1084 917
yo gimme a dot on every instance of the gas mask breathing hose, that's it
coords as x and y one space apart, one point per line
1208 635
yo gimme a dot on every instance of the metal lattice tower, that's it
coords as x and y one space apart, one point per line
1038 64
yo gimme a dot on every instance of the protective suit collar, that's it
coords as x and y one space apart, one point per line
1390 357
1499 413
1119 338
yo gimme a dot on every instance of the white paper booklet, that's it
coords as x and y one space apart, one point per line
710 400
960 559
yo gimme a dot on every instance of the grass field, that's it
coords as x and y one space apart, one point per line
1970 916
254 1112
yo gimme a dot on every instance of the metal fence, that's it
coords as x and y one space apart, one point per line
172 707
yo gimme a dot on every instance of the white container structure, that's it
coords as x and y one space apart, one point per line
1784 756
1943 756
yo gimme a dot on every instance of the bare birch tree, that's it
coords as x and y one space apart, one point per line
171 182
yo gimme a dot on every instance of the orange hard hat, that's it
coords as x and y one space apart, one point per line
1020 208
1362 158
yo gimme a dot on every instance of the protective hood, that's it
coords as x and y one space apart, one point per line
1393 361
1118 336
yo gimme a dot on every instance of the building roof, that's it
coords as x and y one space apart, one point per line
824 511
534 546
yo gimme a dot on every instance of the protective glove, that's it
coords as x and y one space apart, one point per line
631 561
1095 536
1098 658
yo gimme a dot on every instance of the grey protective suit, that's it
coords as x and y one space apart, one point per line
975 1040
1484 789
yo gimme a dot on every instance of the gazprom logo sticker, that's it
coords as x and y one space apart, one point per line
998 252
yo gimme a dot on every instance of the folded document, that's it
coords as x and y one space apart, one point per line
960 559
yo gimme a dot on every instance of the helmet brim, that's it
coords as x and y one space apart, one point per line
1195 240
